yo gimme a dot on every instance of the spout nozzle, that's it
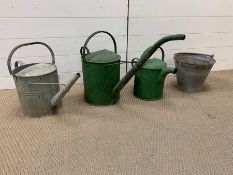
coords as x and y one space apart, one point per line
181 36
57 98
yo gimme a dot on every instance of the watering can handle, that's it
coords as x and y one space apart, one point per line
27 44
163 54
135 60
84 48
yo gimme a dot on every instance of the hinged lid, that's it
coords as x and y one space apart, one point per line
154 64
102 56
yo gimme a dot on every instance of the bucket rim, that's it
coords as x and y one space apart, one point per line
35 64
212 61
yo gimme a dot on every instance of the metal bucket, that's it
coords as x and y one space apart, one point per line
192 70
37 85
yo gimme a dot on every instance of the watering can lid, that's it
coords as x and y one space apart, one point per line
37 70
102 56
154 64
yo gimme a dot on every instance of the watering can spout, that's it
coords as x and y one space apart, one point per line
145 56
58 97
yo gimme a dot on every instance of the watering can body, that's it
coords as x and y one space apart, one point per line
149 79
100 77
35 99
37 85
101 71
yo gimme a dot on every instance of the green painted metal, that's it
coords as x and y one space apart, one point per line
149 79
154 64
99 80
144 57
101 72
149 83
102 84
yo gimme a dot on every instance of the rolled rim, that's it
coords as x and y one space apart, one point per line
194 59
36 70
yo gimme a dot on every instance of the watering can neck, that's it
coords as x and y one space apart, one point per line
58 97
164 72
145 56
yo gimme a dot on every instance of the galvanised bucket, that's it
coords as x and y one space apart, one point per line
37 85
192 70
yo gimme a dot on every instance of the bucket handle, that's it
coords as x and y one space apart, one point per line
135 60
85 51
27 44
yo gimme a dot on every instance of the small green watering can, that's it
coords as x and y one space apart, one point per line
101 71
149 79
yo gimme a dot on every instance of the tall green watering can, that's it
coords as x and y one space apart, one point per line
149 79
101 71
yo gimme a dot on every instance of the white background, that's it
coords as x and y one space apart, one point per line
65 25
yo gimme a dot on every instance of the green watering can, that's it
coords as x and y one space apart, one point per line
149 79
101 71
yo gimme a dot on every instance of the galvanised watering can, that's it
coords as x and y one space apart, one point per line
37 84
101 71
149 79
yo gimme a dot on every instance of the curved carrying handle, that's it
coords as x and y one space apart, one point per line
27 44
135 60
84 50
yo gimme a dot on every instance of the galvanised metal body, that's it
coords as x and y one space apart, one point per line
37 85
192 70
149 79
101 71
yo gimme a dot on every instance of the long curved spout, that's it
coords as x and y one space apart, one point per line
145 56
57 98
